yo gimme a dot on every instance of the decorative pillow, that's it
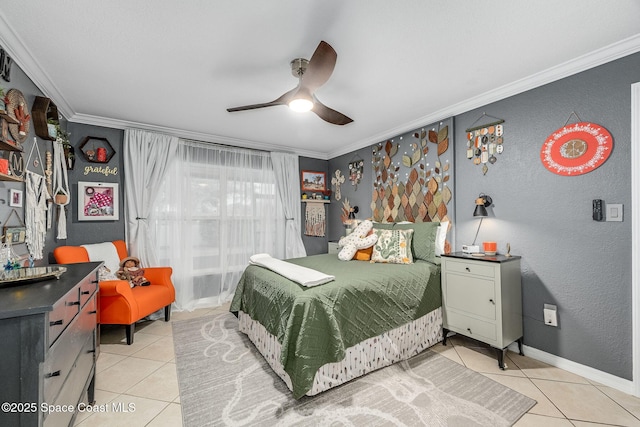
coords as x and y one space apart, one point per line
393 246
423 242
364 254
441 237
359 238
382 225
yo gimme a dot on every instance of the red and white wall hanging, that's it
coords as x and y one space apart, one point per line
576 149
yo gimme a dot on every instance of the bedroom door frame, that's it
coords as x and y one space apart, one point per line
635 233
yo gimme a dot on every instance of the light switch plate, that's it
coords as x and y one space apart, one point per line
614 212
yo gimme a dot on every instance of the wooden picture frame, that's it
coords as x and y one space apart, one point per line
16 198
313 181
98 201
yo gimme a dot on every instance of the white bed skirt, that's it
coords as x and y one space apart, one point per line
374 353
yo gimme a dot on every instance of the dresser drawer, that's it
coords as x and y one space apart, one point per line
88 288
473 295
473 328
64 353
73 387
63 312
470 267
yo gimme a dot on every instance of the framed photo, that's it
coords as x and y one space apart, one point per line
98 201
15 198
314 181
14 235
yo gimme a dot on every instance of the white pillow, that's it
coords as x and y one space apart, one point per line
105 252
441 237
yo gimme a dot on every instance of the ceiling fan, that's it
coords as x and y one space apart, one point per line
311 75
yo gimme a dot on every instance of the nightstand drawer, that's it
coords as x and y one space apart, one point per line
472 295
473 328
470 267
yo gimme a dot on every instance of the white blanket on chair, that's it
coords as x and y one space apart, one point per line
297 273
105 252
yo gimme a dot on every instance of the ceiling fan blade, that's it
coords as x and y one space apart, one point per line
320 67
282 100
329 115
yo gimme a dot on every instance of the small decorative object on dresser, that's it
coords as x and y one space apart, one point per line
482 299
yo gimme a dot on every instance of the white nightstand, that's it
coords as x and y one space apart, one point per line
482 299
332 247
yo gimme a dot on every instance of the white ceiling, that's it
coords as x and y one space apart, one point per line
175 66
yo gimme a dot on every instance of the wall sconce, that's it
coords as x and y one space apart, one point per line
482 203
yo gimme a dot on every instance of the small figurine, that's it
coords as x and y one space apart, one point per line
130 270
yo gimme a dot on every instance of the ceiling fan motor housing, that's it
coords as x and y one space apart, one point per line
298 67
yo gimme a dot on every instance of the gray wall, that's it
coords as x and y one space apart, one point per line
84 232
582 266
22 83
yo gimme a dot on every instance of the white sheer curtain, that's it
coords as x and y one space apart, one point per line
146 158
217 206
285 166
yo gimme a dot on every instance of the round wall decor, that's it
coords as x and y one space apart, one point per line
17 109
576 149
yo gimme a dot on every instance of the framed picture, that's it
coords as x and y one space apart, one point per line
15 198
98 201
14 235
314 181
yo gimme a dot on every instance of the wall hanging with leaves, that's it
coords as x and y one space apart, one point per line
423 195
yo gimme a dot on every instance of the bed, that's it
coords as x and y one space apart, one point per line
370 316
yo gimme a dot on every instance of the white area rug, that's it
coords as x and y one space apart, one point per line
224 381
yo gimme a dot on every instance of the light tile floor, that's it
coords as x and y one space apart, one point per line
142 379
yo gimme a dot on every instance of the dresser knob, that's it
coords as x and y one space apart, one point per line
72 303
85 292
93 312
55 322
53 374
469 329
468 269
95 282
492 302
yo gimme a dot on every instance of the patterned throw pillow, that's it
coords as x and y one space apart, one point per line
423 242
393 246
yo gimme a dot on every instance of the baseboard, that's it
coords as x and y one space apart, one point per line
588 372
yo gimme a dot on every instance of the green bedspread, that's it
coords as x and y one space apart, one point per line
315 325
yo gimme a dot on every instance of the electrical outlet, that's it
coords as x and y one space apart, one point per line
550 315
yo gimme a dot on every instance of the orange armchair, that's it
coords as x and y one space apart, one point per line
119 303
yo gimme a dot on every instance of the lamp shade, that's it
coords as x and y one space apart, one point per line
480 210
482 203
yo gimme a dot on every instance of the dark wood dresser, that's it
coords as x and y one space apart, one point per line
48 347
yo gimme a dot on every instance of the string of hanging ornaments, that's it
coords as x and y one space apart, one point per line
484 141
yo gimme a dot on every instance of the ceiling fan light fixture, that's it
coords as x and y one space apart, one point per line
301 103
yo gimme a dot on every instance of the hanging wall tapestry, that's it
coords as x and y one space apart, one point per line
356 168
484 141
577 148
315 219
423 194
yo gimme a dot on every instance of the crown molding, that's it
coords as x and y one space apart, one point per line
186 134
585 62
22 57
